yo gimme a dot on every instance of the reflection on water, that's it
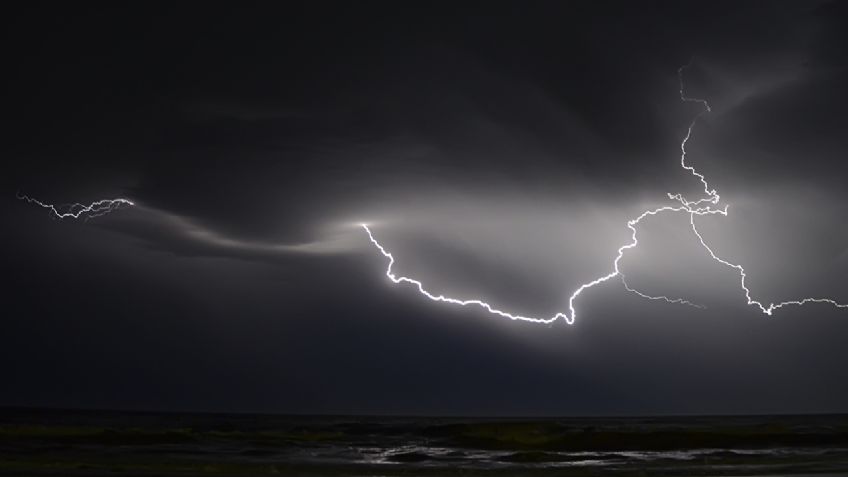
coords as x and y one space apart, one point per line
36 442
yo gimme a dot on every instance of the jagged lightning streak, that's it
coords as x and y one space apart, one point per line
712 197
702 206
77 210
706 205
569 318
768 310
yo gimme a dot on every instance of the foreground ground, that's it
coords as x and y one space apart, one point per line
49 442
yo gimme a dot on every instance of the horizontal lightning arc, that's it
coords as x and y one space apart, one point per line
394 278
77 210
700 207
569 318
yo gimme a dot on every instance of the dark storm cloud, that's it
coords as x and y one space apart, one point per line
497 149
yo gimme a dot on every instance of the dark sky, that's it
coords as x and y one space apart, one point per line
497 149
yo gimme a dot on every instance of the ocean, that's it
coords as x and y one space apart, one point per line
97 443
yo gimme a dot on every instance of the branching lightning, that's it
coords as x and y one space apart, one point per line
707 205
77 210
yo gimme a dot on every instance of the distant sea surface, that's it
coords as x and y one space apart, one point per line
95 443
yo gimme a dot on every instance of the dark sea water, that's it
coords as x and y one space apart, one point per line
82 443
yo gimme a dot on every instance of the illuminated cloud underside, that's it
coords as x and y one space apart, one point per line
707 205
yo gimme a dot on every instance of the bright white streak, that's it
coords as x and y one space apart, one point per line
569 318
693 208
77 210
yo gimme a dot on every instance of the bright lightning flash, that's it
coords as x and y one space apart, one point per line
76 210
707 205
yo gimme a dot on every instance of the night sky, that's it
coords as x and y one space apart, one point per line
497 150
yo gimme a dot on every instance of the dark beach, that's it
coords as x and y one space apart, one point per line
58 442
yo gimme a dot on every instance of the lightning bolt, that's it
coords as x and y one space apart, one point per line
77 210
706 205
